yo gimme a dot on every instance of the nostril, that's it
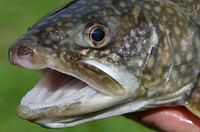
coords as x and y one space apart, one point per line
24 51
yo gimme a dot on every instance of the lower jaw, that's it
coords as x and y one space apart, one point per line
75 110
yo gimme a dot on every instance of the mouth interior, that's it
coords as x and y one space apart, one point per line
56 88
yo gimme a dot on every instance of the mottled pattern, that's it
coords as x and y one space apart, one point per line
191 8
156 41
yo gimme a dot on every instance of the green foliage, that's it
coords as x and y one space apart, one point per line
16 17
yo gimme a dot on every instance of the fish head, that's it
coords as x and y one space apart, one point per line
80 53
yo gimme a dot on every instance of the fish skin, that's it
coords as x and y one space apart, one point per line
191 8
152 45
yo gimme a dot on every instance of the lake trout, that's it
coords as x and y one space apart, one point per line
102 58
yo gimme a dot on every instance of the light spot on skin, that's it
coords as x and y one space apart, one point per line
85 51
136 13
48 41
177 59
161 27
147 6
114 57
175 19
159 71
184 45
69 32
154 38
54 55
55 46
169 10
69 24
59 23
189 31
177 30
181 23
151 62
198 7
155 82
147 77
152 2
104 13
49 29
174 75
140 63
186 80
175 43
164 18
183 69
189 56
179 83
162 3
122 4
158 9
34 38
165 41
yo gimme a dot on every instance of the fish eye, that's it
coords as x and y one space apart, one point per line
97 35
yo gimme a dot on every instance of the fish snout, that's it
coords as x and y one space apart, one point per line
23 54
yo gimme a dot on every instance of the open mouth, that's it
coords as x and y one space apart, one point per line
64 97
56 88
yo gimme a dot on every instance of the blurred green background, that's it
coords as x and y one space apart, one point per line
15 17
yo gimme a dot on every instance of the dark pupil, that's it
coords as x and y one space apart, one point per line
98 34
